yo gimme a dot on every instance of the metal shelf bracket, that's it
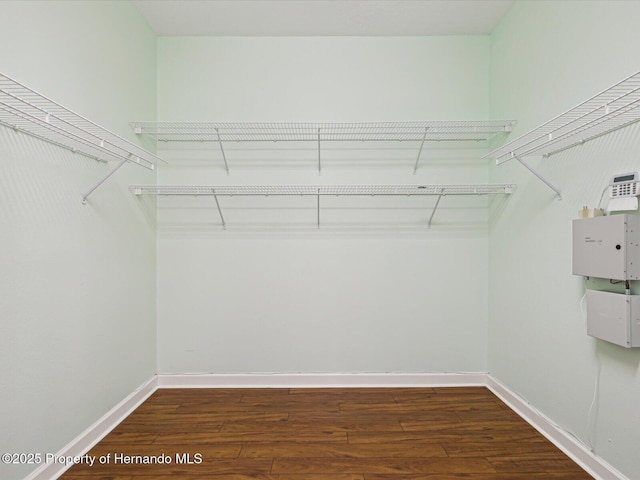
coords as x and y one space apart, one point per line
318 208
424 137
224 156
435 207
224 225
104 179
544 180
319 164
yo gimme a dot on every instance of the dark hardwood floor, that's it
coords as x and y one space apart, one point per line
328 434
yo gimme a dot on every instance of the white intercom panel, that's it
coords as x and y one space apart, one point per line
614 317
607 247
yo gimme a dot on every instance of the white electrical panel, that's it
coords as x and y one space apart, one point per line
607 247
614 317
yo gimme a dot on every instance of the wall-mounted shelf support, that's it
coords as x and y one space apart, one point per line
320 133
424 137
319 164
435 207
30 112
318 208
224 225
104 179
544 180
224 156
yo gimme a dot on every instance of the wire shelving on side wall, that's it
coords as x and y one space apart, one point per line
613 108
28 111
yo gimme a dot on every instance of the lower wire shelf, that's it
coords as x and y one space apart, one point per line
318 191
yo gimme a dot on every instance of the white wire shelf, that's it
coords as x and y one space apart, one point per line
318 191
23 109
322 190
612 109
221 132
282 132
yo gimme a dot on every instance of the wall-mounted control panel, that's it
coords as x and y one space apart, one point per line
614 317
607 247
624 185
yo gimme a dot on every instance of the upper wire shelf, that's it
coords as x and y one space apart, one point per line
221 133
24 109
609 110
280 132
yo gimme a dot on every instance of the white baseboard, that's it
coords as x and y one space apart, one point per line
578 452
575 450
324 380
96 432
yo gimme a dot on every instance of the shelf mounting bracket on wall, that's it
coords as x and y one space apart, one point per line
224 156
319 164
424 137
544 180
104 179
318 209
224 225
435 207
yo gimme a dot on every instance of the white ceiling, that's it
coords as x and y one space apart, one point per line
322 17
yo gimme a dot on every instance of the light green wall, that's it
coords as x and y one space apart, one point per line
370 298
323 79
78 291
77 302
545 58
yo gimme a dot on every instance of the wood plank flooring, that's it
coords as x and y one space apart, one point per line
327 434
